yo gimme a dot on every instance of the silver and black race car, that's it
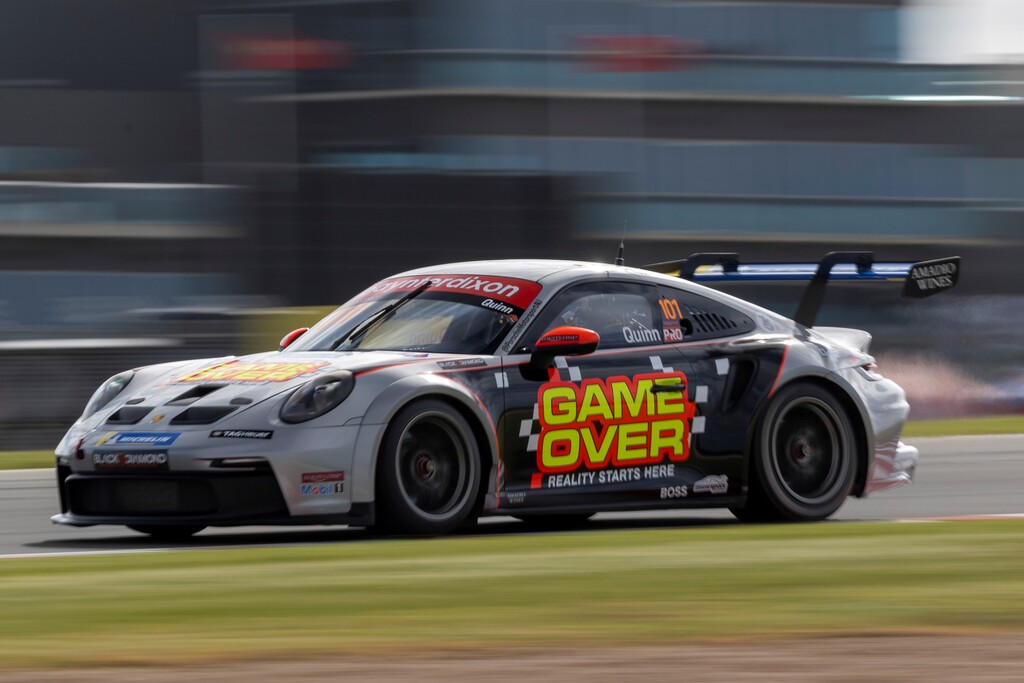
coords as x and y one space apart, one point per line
544 390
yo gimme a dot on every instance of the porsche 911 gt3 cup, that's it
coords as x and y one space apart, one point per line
544 390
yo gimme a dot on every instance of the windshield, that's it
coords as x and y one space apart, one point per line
435 313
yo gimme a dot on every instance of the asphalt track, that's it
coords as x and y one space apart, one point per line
957 477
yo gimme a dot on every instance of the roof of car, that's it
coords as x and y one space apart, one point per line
527 269
555 273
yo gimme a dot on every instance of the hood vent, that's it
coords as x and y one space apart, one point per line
202 415
194 394
128 415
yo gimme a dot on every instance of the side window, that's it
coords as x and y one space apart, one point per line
692 317
623 314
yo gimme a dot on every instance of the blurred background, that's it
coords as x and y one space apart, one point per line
192 178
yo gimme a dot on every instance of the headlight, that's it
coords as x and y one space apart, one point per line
318 397
107 391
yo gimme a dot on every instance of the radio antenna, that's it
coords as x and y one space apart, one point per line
619 259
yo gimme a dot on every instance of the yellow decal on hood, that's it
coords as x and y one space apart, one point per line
235 371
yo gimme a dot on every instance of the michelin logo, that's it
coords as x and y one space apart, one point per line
139 438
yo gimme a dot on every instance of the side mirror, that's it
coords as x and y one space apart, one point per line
289 339
564 341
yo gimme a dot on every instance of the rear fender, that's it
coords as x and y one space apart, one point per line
839 386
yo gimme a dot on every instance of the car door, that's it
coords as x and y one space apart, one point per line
603 430
732 372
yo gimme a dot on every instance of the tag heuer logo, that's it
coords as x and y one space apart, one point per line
240 434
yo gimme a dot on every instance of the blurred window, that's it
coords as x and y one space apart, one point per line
433 313
431 322
623 314
692 317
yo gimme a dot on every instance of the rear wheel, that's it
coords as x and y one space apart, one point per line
428 470
804 460
168 532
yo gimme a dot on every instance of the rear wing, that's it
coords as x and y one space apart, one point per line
921 279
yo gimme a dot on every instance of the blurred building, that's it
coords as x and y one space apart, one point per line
171 159
416 125
436 129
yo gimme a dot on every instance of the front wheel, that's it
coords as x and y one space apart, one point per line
804 459
428 470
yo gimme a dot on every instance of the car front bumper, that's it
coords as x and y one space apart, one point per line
185 499
300 476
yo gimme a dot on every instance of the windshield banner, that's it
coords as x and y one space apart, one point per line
518 293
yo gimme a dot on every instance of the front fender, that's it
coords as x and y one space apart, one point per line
387 404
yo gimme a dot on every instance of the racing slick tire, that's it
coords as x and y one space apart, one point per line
168 532
804 458
428 471
756 511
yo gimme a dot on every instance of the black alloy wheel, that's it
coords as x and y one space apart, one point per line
804 460
428 470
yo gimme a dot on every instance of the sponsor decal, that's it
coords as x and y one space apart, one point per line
252 373
497 306
514 497
608 476
328 489
322 477
139 438
460 363
498 290
931 277
549 339
641 335
241 434
671 315
156 418
671 331
322 483
142 460
673 492
602 424
713 483
524 322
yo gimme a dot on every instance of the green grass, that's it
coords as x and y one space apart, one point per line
555 590
25 460
968 426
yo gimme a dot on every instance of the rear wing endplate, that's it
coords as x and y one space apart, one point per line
920 280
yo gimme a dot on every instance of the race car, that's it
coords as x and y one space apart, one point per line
544 390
